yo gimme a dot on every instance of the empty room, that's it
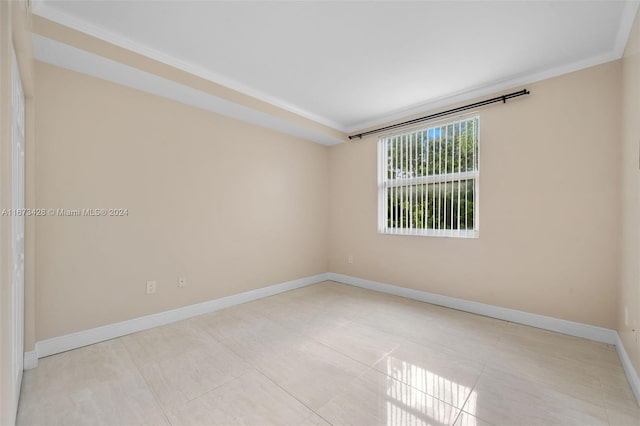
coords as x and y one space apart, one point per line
319 213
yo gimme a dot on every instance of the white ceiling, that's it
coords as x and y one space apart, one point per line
351 65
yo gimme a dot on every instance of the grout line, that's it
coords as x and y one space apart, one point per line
144 379
166 418
457 416
602 399
257 369
343 390
482 371
294 397
164 409
305 335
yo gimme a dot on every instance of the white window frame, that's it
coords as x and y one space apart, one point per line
384 183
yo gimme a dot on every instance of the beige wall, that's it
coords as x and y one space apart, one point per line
630 259
231 206
549 191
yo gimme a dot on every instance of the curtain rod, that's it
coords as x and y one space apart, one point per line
502 98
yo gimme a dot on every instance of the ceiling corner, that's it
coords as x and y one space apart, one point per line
626 24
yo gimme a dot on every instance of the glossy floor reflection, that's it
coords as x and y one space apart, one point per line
333 354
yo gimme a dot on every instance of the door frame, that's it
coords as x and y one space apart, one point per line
17 225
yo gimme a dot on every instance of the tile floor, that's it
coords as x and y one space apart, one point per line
333 354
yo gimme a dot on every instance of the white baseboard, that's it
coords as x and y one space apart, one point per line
30 360
99 334
631 373
111 331
599 334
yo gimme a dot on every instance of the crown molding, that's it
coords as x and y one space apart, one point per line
44 10
482 90
72 58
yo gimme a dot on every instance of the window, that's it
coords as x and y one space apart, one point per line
428 180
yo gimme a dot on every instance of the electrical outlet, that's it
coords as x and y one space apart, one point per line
350 259
151 287
182 282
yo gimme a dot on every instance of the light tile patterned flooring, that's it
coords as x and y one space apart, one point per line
333 354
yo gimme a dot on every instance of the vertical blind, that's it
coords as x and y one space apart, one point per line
428 180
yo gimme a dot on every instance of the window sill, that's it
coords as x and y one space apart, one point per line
446 233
